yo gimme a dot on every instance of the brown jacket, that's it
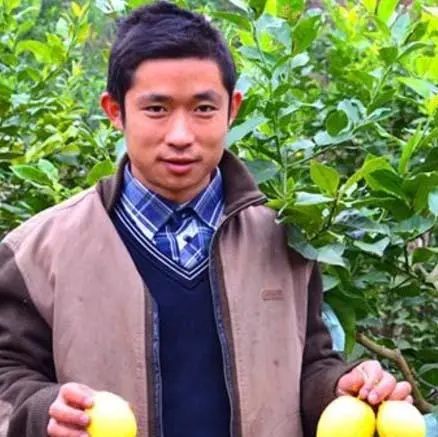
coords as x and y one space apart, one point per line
74 308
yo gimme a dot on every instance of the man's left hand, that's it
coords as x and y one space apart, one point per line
373 384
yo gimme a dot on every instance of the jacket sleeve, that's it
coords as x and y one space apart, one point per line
322 367
27 376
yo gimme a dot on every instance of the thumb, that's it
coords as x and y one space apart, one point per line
350 383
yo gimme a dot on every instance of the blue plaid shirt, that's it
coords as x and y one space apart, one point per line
182 232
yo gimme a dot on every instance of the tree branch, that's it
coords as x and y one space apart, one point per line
397 358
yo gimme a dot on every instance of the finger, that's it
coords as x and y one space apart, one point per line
77 395
383 389
54 429
350 383
67 415
410 399
401 391
372 373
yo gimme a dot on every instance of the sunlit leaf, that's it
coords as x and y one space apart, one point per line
326 178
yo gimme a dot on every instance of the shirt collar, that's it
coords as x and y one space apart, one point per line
208 204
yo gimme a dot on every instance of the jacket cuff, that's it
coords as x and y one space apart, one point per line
32 417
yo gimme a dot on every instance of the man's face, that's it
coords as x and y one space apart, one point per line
176 121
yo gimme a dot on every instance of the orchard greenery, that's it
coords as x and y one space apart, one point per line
339 127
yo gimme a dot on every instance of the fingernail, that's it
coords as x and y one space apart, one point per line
84 419
84 434
89 401
373 397
364 393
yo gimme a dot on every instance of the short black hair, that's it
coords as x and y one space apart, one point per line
164 31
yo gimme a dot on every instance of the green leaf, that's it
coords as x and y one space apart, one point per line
243 129
76 9
62 27
347 316
386 181
305 33
386 9
370 5
8 156
420 86
419 187
370 165
38 49
84 32
262 170
31 174
354 110
323 138
414 226
302 144
427 368
433 202
11 5
336 122
279 30
111 6
332 254
311 199
400 28
329 282
298 242
389 54
45 148
355 219
376 248
241 4
100 170
412 47
307 217
49 169
326 178
418 31
409 149
258 6
424 254
239 20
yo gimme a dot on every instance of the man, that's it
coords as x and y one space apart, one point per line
170 283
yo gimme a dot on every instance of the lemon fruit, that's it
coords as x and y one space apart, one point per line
347 416
111 416
400 419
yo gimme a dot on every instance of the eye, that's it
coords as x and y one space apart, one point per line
155 109
206 109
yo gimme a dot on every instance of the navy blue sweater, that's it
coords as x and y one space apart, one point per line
194 396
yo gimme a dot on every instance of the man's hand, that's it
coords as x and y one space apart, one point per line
373 384
67 416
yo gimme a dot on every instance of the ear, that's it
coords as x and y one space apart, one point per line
112 109
236 101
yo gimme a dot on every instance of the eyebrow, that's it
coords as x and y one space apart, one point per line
210 95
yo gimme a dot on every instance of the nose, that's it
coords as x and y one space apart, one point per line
179 134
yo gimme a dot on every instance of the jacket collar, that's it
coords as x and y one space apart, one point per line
240 188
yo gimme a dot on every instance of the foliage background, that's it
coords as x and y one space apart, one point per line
341 102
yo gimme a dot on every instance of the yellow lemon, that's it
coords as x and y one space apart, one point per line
111 416
347 416
400 419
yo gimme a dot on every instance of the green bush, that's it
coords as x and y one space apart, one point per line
342 107
341 104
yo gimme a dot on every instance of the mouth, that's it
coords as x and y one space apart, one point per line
179 165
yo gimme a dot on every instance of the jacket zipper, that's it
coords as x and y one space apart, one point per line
218 311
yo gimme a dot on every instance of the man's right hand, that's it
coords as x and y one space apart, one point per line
67 413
